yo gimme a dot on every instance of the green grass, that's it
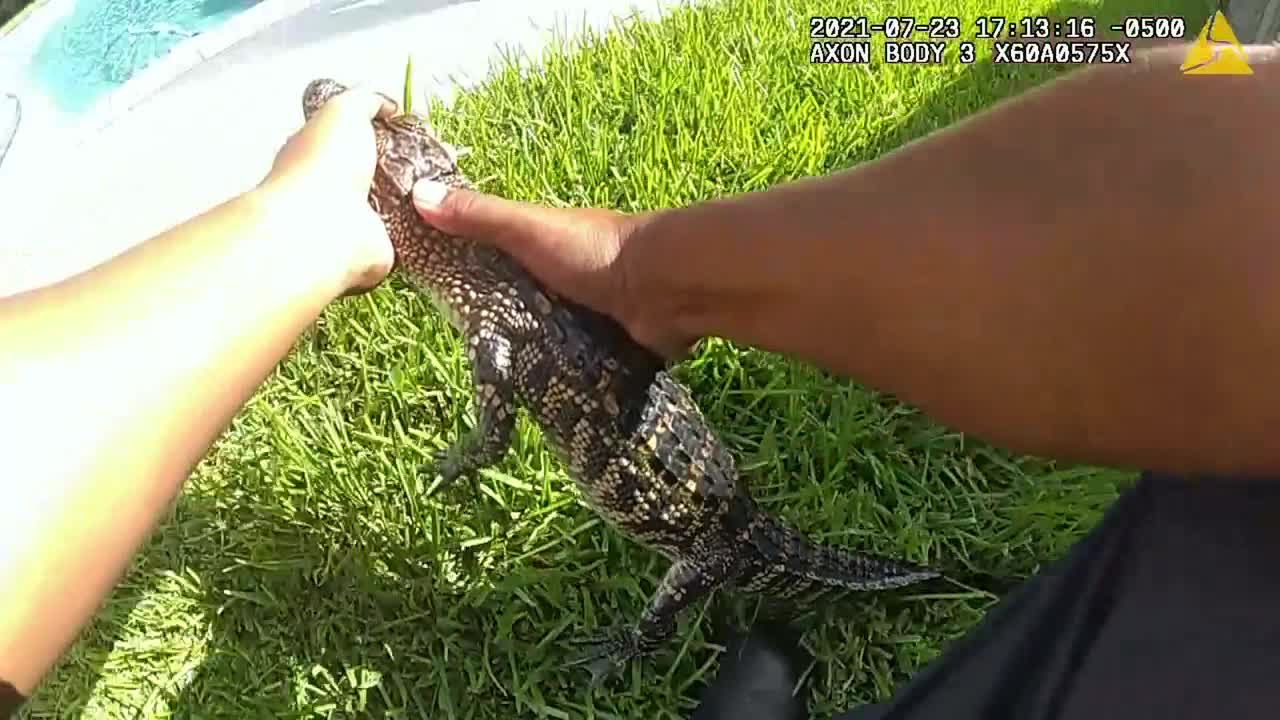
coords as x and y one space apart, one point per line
302 574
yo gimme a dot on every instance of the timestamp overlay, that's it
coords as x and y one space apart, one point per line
938 40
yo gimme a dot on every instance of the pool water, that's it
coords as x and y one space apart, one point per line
103 43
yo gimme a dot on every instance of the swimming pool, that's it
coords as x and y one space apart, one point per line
103 43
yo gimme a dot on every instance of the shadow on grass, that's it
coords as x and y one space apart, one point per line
320 621
292 617
295 615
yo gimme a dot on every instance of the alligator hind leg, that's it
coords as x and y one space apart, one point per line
685 582
495 410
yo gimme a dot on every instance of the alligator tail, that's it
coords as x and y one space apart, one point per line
789 552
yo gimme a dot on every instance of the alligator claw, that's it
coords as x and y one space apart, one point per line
447 467
606 652
602 637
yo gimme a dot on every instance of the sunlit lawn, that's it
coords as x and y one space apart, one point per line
303 574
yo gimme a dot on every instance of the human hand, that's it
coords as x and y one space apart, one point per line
320 180
578 252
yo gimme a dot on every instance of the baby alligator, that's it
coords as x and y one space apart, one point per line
630 436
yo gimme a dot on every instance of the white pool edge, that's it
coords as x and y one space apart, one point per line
183 57
48 237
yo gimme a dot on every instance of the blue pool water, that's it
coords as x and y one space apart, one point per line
103 43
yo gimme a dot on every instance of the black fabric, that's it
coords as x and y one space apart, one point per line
10 700
758 677
1169 610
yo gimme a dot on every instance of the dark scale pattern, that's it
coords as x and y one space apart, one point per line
631 437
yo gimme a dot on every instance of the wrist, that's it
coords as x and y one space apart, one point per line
663 302
714 269
301 244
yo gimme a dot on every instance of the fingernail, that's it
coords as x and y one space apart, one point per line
429 193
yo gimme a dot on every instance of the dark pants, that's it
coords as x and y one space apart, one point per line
1169 609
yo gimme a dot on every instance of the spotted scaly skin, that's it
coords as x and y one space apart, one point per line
633 441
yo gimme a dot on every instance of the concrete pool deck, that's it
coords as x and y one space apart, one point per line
203 124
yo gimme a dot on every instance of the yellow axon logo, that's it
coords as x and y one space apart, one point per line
1216 51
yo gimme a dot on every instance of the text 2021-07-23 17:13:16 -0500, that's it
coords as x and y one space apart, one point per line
937 40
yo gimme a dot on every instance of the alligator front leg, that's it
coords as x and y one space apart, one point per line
685 582
495 410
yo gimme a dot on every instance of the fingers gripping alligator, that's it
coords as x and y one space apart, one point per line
631 437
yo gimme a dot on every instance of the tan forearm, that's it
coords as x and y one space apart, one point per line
132 370
1088 271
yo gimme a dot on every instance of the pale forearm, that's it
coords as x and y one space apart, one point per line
1087 272
131 371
